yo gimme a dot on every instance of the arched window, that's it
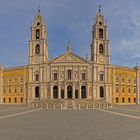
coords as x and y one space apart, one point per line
37 94
37 49
55 92
21 100
37 33
9 100
62 93
83 92
15 100
4 100
83 76
101 33
101 92
69 75
37 77
101 49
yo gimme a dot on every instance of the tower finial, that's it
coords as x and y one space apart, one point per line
100 8
38 9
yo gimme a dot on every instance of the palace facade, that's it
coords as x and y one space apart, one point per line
70 76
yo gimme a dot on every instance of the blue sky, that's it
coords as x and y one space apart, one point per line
69 20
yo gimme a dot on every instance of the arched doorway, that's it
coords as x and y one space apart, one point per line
83 92
55 92
69 92
101 92
37 94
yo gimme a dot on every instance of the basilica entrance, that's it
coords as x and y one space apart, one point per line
37 94
101 92
69 92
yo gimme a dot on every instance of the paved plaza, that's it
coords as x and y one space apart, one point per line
118 123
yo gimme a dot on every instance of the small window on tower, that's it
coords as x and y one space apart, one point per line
101 49
38 23
37 49
100 23
37 34
101 33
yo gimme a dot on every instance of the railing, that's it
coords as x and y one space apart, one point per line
69 105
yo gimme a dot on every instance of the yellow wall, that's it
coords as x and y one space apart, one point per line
123 73
19 79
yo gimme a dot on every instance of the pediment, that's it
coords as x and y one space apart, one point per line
69 57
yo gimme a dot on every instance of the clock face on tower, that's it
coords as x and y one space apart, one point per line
36 59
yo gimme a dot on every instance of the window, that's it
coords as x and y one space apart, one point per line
37 34
10 89
62 93
134 90
100 23
83 76
37 49
4 100
21 90
117 79
129 80
55 76
15 80
10 80
129 100
134 100
123 90
69 75
37 77
123 80
129 90
15 100
21 100
123 100
4 81
101 33
117 89
4 90
117 99
21 79
101 49
101 77
9 100
15 90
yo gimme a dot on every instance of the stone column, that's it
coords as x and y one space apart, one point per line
59 91
73 91
51 91
87 91
79 91
65 91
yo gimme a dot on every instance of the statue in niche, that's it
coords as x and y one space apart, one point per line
76 75
62 75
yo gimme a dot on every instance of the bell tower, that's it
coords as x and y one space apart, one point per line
100 58
38 47
38 59
100 42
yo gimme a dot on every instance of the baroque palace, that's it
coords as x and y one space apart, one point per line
69 76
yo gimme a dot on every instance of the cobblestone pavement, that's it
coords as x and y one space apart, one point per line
119 123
